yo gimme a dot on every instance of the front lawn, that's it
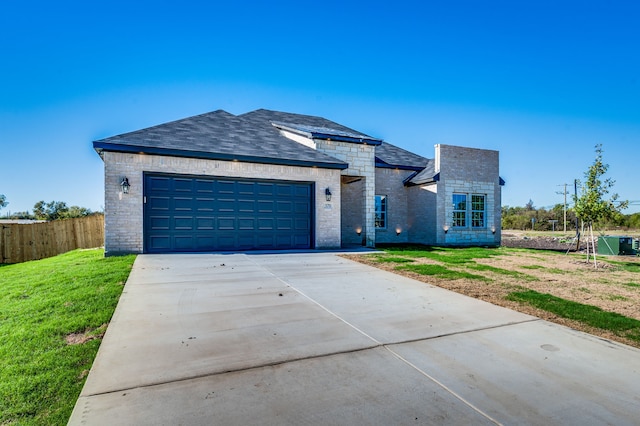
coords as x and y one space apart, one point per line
53 313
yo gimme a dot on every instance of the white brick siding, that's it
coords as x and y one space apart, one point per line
468 171
361 160
124 212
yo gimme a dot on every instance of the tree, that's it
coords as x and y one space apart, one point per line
58 210
3 201
76 211
590 206
50 211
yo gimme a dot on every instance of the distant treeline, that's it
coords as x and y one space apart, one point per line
521 218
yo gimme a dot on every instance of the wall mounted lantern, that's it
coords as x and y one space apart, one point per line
327 194
493 229
398 231
125 185
445 228
358 230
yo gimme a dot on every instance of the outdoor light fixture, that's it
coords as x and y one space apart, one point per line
445 228
398 231
125 185
358 231
493 229
327 194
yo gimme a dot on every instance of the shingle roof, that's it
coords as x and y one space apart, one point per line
220 135
255 137
426 175
388 155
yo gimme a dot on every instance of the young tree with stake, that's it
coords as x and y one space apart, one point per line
591 206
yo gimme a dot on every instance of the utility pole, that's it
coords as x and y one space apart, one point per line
565 205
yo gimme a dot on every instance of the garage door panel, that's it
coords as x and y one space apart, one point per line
246 224
245 188
159 203
248 206
205 223
265 189
183 203
301 208
160 242
204 186
284 224
301 241
284 207
265 224
205 204
283 190
303 191
226 223
302 224
184 213
183 242
226 187
183 223
226 204
183 185
160 223
160 183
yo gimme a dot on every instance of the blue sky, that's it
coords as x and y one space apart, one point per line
542 82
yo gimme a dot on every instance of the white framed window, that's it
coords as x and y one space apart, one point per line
459 218
477 211
381 211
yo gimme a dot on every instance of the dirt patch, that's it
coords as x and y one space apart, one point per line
609 287
522 240
86 336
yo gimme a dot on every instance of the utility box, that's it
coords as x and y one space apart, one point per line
615 246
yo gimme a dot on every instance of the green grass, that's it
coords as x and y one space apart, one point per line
440 271
533 267
631 284
41 302
586 314
625 266
446 255
615 297
501 271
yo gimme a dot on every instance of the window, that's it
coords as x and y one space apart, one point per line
477 211
381 211
459 210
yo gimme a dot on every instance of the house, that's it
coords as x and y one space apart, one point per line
275 180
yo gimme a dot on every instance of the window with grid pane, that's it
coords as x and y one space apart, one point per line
381 211
459 210
477 211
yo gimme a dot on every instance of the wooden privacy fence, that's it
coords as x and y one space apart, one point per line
23 242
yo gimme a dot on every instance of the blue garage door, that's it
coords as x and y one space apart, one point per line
188 213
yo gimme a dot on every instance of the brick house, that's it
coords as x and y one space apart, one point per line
275 180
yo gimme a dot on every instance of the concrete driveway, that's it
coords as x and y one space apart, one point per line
312 338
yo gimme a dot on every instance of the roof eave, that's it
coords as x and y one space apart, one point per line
382 165
103 146
340 138
326 136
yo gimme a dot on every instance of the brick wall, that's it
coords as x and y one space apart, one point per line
468 171
389 182
361 160
352 212
124 212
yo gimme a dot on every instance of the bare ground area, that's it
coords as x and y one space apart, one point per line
609 287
